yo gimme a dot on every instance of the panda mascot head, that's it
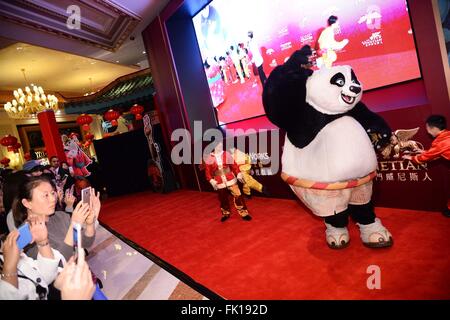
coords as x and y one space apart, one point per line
333 91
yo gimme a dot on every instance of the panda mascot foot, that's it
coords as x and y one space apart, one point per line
375 235
337 238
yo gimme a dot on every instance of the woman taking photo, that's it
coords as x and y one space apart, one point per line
37 198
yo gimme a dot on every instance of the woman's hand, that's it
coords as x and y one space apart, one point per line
80 213
69 198
94 207
11 253
38 228
60 194
75 281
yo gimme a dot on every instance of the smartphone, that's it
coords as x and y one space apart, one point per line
77 240
86 195
25 236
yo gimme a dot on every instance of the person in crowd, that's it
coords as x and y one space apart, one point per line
37 197
22 277
257 58
55 168
237 63
436 126
10 189
32 162
215 82
75 281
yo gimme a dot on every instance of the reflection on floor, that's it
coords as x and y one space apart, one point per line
128 275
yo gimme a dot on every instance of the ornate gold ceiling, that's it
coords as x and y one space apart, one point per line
103 23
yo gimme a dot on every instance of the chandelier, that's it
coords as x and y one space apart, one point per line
27 104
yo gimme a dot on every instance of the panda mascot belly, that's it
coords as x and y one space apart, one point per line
329 157
341 151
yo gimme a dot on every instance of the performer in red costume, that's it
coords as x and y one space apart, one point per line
222 172
440 147
76 158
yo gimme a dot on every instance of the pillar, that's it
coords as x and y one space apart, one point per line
50 135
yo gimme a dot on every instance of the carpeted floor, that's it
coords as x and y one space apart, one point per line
281 253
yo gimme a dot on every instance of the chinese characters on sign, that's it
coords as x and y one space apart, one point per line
402 171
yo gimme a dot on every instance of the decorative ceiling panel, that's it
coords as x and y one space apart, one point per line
103 24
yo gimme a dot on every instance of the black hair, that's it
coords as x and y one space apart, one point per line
206 64
250 34
25 191
437 121
53 157
11 187
331 20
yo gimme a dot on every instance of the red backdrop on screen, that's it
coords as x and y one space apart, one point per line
380 45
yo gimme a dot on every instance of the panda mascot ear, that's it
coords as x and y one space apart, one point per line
284 92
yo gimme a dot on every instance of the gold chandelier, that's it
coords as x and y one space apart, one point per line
29 103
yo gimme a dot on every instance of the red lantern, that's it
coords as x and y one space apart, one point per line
84 120
5 161
137 110
112 116
27 156
8 141
16 147
89 136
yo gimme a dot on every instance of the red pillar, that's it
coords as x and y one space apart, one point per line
50 134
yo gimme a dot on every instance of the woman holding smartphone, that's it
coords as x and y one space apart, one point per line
37 198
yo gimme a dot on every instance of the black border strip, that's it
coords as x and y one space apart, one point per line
211 295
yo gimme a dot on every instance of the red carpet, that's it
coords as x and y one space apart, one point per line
281 253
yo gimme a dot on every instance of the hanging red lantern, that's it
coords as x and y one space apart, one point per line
112 116
27 156
16 147
8 141
84 120
5 161
89 136
137 111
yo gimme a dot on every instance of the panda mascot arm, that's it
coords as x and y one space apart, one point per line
284 92
376 127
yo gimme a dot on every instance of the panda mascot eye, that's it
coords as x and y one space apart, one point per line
338 79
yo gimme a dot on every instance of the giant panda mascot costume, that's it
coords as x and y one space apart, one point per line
329 157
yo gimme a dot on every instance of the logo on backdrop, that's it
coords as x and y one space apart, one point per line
306 39
391 166
375 39
263 146
372 18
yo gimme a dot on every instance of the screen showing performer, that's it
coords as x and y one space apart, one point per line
241 42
